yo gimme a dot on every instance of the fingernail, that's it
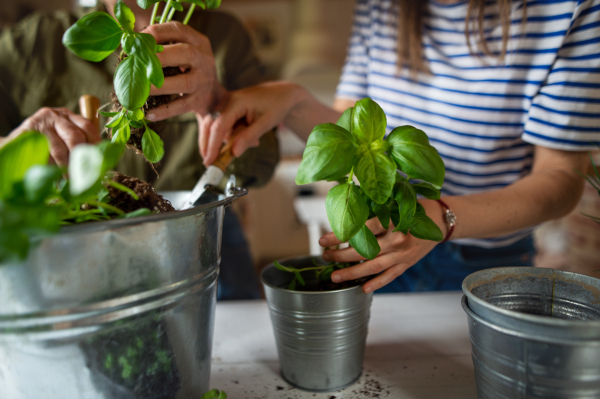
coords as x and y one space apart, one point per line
151 116
322 242
368 289
336 278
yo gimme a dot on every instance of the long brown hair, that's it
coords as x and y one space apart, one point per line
410 30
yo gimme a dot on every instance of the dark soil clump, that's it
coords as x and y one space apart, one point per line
148 197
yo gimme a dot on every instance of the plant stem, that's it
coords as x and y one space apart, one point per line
154 13
351 175
166 11
171 14
189 14
106 206
123 188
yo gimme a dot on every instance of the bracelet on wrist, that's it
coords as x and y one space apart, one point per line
449 219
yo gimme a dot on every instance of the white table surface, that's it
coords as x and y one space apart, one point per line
418 347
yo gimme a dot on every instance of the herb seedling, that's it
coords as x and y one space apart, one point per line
97 35
36 198
355 146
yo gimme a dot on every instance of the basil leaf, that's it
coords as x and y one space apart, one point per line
112 153
213 4
425 228
427 190
365 243
299 278
152 146
115 121
159 48
85 168
345 120
131 84
330 153
406 198
346 210
94 37
125 16
376 172
368 121
282 268
176 5
144 46
39 182
121 133
108 114
382 212
394 213
214 394
18 155
135 116
415 156
145 4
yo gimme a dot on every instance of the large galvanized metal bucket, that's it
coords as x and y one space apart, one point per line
535 333
320 335
116 309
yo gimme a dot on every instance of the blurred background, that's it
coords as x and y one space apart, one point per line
305 41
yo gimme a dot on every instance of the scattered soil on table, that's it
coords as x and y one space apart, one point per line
148 197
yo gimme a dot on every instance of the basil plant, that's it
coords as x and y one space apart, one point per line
391 171
97 35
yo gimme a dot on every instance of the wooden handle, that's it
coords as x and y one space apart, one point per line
225 156
88 106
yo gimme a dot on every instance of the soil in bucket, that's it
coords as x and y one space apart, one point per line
148 198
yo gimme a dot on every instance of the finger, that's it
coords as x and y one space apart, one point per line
179 55
177 107
204 123
69 133
342 255
375 226
89 129
185 83
385 278
368 268
58 149
250 137
221 128
176 32
329 240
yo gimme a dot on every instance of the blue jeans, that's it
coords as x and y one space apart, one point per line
444 268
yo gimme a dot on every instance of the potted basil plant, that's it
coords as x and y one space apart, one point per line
320 326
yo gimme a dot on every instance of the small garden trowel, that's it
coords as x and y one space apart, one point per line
215 172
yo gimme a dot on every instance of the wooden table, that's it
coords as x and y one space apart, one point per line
418 347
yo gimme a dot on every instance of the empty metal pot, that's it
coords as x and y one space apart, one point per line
115 309
535 333
320 335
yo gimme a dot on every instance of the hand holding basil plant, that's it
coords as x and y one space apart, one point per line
97 35
386 169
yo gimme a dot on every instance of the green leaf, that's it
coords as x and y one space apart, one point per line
121 133
346 210
137 115
394 213
94 37
365 243
111 153
382 212
292 285
152 146
115 121
108 114
159 48
376 172
125 16
368 122
213 4
136 213
425 228
176 5
85 168
39 182
330 153
406 198
143 46
427 190
145 4
325 275
299 278
345 120
282 268
18 155
415 156
214 394
131 83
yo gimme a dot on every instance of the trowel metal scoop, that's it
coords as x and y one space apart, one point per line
215 172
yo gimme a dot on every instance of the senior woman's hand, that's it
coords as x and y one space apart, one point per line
198 86
63 128
398 252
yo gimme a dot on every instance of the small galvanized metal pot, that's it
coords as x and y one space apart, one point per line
535 333
116 309
320 335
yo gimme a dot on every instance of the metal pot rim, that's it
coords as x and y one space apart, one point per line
465 305
119 223
271 265
525 317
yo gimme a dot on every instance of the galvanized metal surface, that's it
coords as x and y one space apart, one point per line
117 309
523 298
511 365
320 335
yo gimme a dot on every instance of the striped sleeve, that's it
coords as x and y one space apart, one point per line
565 113
353 81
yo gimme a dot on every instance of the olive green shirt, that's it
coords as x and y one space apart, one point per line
37 71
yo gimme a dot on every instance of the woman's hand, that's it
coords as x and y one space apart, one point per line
198 86
398 252
63 128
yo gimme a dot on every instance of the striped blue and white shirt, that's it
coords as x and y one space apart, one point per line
482 116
